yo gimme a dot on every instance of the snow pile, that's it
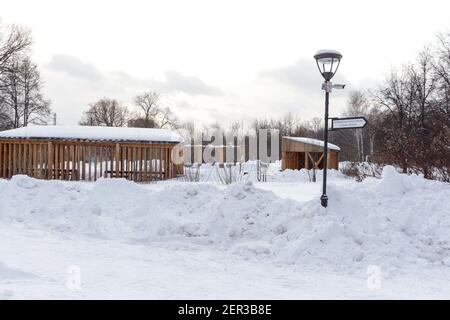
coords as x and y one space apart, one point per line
392 221
303 175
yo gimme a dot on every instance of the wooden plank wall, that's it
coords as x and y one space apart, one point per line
293 160
83 160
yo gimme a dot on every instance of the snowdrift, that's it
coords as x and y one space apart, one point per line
393 221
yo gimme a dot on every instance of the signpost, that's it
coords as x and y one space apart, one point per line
348 123
328 62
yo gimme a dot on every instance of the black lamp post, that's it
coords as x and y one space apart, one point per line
328 63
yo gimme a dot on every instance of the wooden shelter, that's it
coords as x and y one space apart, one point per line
88 153
298 153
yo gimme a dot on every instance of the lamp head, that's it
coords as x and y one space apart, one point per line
328 63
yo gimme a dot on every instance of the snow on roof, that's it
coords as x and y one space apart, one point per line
93 133
314 142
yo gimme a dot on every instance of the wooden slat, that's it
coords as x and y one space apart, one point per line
34 161
117 157
95 163
122 161
19 159
63 161
138 164
4 160
49 160
89 163
14 149
167 175
160 164
83 163
150 151
106 162
145 164
56 155
101 160
129 168
72 158
1 160
28 160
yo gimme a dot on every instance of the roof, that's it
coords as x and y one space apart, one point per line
93 133
313 142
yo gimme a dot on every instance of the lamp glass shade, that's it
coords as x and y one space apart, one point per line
328 62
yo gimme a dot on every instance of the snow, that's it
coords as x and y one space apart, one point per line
93 133
247 240
327 51
314 142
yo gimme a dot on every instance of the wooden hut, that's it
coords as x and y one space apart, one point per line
298 153
88 153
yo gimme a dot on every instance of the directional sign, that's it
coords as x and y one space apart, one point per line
348 123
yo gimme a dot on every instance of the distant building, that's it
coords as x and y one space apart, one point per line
299 152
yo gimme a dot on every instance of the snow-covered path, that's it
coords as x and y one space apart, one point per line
178 240
35 265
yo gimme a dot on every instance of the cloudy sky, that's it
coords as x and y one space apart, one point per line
218 60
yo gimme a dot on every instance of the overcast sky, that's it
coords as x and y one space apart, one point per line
218 60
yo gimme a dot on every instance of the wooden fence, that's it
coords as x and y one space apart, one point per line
85 160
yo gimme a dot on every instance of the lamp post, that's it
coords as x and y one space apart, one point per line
328 63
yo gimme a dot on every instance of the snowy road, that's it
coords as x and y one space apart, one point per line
202 241
35 266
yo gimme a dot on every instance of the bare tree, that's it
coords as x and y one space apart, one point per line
148 102
358 105
36 109
105 112
21 94
13 40
150 113
167 118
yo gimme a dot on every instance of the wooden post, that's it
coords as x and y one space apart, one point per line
129 169
116 162
89 162
122 162
63 161
150 151
14 159
20 159
4 160
139 165
49 160
95 163
145 164
168 174
101 161
161 177
1 160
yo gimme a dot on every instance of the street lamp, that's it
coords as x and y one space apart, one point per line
328 63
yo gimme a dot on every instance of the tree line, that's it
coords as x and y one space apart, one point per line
147 113
408 117
21 99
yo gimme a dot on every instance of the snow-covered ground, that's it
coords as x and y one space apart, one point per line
380 238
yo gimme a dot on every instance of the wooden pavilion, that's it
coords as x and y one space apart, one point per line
88 153
299 152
